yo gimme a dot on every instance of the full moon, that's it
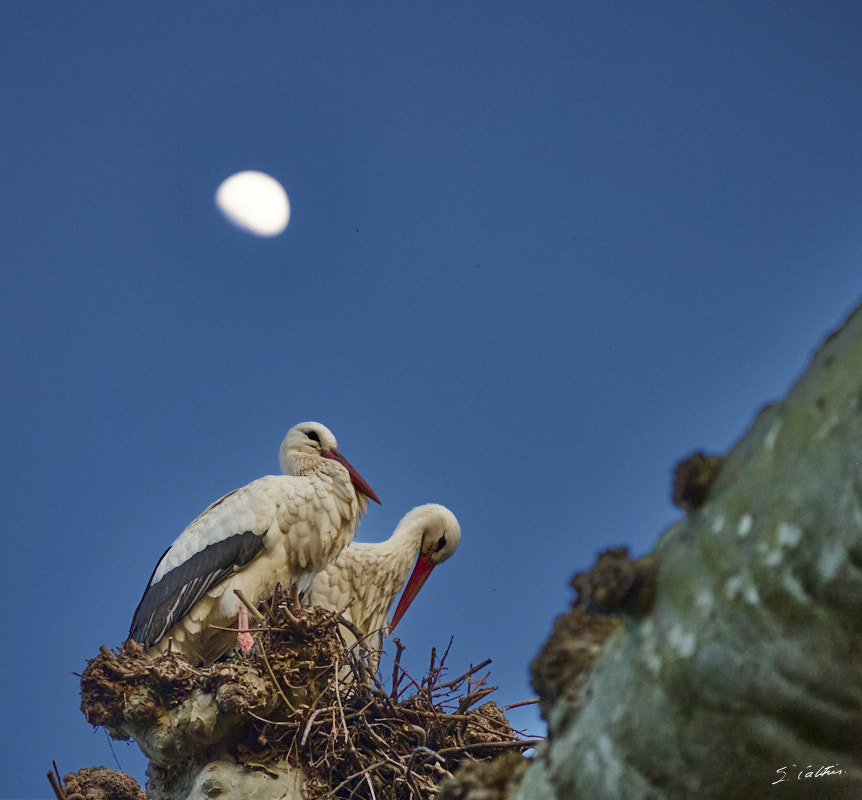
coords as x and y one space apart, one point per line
255 202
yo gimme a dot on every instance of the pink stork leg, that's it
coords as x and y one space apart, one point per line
243 637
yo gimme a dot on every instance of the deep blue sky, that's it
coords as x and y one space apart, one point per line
537 255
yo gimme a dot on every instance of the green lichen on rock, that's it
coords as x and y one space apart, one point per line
745 676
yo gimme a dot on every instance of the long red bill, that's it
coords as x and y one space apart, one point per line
418 577
355 478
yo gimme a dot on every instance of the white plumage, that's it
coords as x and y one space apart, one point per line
278 529
371 575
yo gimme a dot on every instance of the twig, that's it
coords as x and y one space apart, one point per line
425 751
237 630
409 776
467 719
274 680
419 688
349 778
522 703
454 683
294 620
355 659
381 742
446 652
396 667
474 697
270 721
270 613
261 767
358 634
55 785
252 609
340 707
370 786
523 744
108 654
311 722
431 665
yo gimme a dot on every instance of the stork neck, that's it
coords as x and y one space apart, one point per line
299 464
403 548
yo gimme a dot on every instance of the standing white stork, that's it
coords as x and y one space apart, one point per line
278 529
371 575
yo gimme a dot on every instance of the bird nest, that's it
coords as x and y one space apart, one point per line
299 701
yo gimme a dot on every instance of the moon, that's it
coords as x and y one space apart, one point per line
255 202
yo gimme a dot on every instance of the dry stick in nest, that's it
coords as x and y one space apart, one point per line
520 744
252 609
434 672
359 774
335 683
308 725
370 786
274 679
418 782
467 675
55 782
522 703
396 668
355 661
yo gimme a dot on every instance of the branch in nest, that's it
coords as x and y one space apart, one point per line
252 608
520 744
55 785
454 684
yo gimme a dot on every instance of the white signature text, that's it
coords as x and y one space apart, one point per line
807 772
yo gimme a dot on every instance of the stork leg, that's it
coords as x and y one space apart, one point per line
243 637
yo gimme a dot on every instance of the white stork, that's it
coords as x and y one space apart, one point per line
278 529
371 575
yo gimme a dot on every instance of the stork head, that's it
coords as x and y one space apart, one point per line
441 535
308 442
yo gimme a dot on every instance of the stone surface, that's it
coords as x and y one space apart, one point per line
748 667
230 781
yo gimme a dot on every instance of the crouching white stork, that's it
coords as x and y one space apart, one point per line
278 529
371 575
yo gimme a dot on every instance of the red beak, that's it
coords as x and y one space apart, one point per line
355 478
420 574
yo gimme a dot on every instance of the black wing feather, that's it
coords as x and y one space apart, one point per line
166 602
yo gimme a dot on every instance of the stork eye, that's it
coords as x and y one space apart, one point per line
313 436
440 544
